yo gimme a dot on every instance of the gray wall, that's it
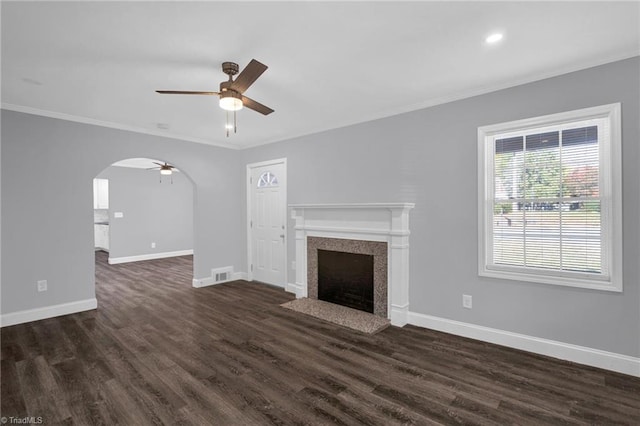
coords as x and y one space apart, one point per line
154 211
48 167
429 157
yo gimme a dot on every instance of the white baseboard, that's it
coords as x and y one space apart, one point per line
579 354
36 314
202 282
240 276
151 256
295 289
207 281
399 315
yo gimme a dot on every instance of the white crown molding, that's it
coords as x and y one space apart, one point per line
579 354
151 256
112 125
37 314
463 94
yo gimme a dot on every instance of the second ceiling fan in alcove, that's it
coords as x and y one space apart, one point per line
166 169
231 92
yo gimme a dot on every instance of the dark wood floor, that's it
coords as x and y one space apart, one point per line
158 351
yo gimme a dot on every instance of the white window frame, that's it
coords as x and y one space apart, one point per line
610 157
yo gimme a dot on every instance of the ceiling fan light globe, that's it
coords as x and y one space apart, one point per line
230 103
165 171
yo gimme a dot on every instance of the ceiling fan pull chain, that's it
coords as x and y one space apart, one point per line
235 125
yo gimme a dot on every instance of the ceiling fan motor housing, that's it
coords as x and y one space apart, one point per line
230 68
226 86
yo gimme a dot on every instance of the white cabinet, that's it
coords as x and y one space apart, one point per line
101 237
97 236
101 193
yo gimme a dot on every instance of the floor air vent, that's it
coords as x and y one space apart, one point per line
222 274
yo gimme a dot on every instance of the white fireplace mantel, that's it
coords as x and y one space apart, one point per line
387 222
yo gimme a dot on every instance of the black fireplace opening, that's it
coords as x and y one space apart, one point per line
346 279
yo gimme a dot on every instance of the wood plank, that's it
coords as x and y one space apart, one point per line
158 351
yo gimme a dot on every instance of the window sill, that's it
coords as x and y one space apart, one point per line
611 286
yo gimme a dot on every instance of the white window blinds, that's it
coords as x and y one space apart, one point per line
546 200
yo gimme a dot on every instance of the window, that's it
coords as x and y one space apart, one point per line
550 199
267 179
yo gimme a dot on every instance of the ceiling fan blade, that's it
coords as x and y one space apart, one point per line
183 92
248 75
159 164
256 106
152 168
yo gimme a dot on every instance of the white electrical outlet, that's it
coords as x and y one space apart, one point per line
153 245
118 215
42 285
467 301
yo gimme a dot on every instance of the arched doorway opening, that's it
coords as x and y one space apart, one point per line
143 210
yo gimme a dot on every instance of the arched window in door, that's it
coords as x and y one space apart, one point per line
267 179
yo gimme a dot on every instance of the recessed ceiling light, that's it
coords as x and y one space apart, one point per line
163 126
494 38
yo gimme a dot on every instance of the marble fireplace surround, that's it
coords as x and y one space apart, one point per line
377 249
379 222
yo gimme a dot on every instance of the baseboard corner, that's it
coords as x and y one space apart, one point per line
294 288
240 276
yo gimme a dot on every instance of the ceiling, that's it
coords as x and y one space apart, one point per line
331 64
140 163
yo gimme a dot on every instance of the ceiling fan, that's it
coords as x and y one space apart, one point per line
166 169
231 91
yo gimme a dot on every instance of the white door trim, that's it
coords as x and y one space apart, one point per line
249 188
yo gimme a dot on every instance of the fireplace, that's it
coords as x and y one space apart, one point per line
378 230
320 248
346 279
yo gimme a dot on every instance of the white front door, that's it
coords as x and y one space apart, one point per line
267 222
